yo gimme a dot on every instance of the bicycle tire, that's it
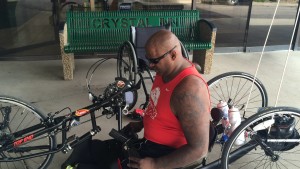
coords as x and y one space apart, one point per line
127 62
22 115
251 154
235 86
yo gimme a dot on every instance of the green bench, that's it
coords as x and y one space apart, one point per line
92 32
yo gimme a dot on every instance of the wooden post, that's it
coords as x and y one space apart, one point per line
193 5
67 58
92 4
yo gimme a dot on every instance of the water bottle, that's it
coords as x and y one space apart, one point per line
235 120
223 107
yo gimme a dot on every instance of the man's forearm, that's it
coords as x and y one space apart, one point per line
181 157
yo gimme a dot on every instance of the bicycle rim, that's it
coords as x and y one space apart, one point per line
16 115
285 147
127 62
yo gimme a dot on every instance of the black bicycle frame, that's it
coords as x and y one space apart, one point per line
49 126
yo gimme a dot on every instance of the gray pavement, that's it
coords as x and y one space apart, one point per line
41 83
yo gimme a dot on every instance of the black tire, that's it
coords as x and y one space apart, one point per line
22 115
127 62
235 86
282 140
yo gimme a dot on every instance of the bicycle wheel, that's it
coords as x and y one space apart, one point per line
269 139
234 88
15 116
127 62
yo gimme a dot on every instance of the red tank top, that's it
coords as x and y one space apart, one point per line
160 124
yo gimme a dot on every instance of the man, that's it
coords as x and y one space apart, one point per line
176 121
179 110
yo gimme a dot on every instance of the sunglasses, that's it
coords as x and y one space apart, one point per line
156 60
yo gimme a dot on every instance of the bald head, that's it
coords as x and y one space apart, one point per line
162 40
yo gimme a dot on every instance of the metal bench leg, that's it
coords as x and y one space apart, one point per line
67 60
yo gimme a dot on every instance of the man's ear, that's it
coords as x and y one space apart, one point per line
173 56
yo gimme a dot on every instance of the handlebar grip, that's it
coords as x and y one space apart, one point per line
118 136
131 151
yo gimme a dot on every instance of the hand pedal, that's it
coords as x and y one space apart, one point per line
118 136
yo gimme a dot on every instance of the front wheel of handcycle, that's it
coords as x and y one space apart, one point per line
17 141
269 139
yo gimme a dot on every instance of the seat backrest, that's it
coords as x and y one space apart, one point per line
139 37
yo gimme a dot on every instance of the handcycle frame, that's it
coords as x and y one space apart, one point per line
52 124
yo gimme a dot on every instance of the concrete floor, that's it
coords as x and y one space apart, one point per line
41 83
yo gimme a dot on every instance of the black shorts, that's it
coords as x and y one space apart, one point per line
97 154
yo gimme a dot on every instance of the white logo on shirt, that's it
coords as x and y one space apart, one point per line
151 110
155 93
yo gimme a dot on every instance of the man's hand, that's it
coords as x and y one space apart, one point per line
144 163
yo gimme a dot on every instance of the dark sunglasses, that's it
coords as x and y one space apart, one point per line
156 60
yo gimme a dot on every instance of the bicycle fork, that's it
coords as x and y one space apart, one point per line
268 151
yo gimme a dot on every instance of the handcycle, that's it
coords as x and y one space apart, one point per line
28 137
18 143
